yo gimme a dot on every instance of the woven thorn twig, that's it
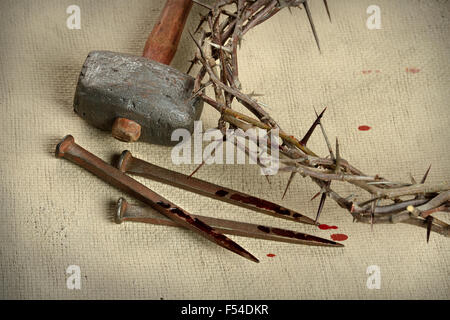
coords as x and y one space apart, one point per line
227 21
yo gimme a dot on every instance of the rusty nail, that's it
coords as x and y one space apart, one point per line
129 164
71 151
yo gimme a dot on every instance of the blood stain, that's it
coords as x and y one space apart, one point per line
163 204
271 255
326 227
221 193
264 229
260 203
412 70
364 128
339 237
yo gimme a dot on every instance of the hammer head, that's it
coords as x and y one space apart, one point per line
156 96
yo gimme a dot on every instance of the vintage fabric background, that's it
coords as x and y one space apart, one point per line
55 214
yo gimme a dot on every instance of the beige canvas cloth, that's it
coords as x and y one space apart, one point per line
54 214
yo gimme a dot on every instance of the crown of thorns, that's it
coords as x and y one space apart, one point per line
217 38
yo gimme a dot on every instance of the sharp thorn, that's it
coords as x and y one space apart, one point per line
325 2
315 111
338 157
191 66
413 181
202 20
326 138
426 175
224 139
316 195
311 22
429 220
322 202
308 134
372 214
196 169
291 177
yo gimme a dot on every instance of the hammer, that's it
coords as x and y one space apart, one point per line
141 97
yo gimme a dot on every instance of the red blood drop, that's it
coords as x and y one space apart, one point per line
339 237
412 70
326 227
364 128
271 255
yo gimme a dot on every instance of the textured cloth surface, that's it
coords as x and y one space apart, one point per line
55 214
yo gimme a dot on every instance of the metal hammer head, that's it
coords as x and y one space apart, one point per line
155 96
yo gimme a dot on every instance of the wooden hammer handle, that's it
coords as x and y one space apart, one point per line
162 43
